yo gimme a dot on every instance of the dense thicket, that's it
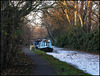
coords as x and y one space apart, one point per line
80 40
12 21
10 36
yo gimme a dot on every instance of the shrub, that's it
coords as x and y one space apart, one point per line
80 40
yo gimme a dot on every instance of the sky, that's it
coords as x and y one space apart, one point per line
35 20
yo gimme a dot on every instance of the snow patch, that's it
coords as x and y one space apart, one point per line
87 62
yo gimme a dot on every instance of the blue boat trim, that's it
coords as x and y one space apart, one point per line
44 45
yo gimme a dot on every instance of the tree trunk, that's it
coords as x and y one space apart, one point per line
49 32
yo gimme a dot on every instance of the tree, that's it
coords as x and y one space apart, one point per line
12 15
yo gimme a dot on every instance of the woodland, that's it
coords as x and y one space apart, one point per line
70 24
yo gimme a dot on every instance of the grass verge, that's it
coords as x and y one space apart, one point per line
61 68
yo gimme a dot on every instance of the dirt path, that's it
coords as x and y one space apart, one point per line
40 67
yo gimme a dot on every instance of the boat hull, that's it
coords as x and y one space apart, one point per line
47 49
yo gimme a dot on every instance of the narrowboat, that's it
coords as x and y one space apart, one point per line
44 45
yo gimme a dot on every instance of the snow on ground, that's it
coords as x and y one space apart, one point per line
87 62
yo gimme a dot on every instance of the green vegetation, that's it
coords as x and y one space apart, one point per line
61 68
80 40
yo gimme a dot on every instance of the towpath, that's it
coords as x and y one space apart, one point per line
40 66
